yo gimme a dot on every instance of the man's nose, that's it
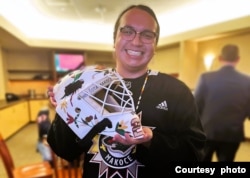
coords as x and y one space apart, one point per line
137 39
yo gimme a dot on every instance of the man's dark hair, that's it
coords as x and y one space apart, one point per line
142 7
230 53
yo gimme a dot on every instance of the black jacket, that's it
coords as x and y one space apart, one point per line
168 107
223 99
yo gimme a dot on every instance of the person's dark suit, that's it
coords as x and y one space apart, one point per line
223 99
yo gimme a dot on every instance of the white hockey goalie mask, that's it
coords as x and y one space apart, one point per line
85 97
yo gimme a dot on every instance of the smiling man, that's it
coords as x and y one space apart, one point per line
166 106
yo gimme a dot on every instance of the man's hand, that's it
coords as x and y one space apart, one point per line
51 96
145 140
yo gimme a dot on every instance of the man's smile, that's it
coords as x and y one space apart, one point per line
134 53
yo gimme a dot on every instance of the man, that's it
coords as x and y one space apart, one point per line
223 99
172 128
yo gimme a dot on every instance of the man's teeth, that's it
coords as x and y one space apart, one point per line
134 53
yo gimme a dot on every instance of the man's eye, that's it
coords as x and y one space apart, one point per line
127 31
148 35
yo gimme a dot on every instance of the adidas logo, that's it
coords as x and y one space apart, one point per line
163 105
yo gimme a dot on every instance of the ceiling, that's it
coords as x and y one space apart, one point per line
100 11
89 23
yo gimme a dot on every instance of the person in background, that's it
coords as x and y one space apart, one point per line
43 123
223 99
170 119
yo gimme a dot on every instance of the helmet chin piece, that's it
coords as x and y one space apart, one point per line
85 97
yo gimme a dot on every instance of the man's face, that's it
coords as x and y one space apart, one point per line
135 54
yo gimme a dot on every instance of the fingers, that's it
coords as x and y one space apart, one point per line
51 95
148 134
53 101
127 140
118 138
50 91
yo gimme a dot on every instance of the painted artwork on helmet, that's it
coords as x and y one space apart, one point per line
86 97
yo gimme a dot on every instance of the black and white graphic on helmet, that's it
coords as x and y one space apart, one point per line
97 94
